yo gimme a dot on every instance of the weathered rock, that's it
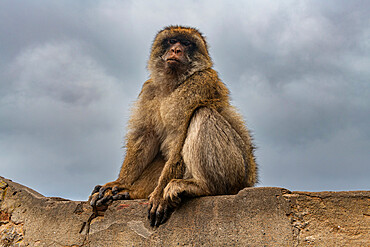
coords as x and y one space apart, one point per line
254 217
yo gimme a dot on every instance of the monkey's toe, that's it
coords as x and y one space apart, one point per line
158 215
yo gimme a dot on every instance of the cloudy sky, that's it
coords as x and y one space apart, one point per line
299 71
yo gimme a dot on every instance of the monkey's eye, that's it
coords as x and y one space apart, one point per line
172 41
186 43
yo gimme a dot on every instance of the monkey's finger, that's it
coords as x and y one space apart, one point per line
102 191
106 200
96 189
105 197
116 189
93 199
121 196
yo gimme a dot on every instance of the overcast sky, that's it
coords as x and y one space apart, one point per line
299 72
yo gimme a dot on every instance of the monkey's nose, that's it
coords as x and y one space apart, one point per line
176 49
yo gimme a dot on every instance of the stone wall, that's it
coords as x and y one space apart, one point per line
254 217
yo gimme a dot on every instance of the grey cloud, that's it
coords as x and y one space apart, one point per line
60 72
56 116
298 72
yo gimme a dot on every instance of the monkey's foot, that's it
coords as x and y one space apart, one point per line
102 196
159 210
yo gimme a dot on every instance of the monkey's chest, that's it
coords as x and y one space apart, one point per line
173 113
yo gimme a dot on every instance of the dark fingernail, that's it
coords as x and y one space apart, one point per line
115 190
103 200
96 189
93 202
149 208
118 197
152 219
102 190
159 217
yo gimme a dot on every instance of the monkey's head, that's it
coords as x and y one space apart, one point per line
177 52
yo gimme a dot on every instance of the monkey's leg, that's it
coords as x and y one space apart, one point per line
213 157
214 164
214 154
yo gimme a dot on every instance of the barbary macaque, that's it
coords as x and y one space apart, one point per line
184 138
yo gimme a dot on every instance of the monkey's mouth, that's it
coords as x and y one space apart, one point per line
172 60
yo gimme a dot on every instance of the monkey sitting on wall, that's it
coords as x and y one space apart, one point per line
184 138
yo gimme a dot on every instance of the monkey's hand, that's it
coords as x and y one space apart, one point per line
159 209
102 196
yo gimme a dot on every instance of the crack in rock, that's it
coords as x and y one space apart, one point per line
139 228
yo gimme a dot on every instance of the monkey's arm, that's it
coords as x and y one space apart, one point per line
142 146
159 209
140 152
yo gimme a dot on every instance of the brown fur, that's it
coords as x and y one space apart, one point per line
184 138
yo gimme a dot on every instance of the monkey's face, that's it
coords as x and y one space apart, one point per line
177 56
178 52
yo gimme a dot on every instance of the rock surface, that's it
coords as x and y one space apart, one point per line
254 217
